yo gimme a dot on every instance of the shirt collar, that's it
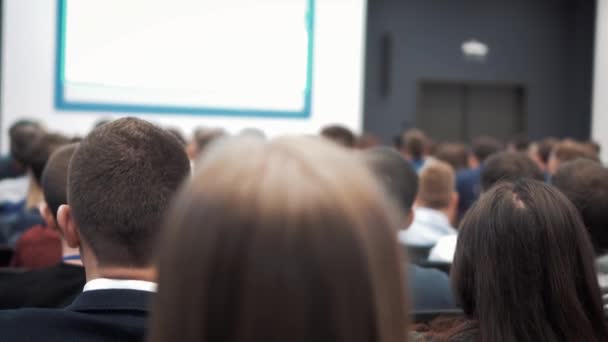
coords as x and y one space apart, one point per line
431 215
119 284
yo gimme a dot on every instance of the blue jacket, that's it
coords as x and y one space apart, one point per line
430 289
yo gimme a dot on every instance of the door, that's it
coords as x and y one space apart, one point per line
461 111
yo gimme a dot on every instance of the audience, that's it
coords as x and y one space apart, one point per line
415 146
14 178
28 218
39 246
468 182
430 288
569 150
20 134
585 183
524 271
500 167
453 154
121 180
436 206
340 135
293 240
297 238
56 286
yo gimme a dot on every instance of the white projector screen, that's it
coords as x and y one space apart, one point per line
69 63
228 57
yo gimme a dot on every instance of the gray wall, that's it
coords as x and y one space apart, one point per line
544 45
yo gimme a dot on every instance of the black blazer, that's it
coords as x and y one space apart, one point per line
54 287
94 316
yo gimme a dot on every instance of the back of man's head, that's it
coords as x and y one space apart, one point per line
585 183
22 134
395 174
340 135
121 180
41 150
569 150
453 154
508 166
415 143
55 178
484 147
437 186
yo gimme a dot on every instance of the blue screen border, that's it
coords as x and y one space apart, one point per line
62 104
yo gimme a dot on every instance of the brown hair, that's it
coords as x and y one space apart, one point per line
340 135
55 177
570 150
454 154
121 180
415 143
290 240
437 185
524 268
585 183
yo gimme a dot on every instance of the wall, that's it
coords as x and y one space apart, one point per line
28 61
545 45
600 81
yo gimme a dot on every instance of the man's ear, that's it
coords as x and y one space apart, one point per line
68 226
47 216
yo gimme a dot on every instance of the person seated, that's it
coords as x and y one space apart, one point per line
20 134
436 207
292 239
468 181
29 217
453 154
503 166
430 288
121 180
585 183
15 181
340 135
569 150
508 166
437 210
415 147
64 281
38 246
524 271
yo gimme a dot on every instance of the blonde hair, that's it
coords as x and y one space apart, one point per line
286 240
437 185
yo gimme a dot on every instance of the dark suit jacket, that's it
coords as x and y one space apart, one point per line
94 316
430 289
468 185
54 287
